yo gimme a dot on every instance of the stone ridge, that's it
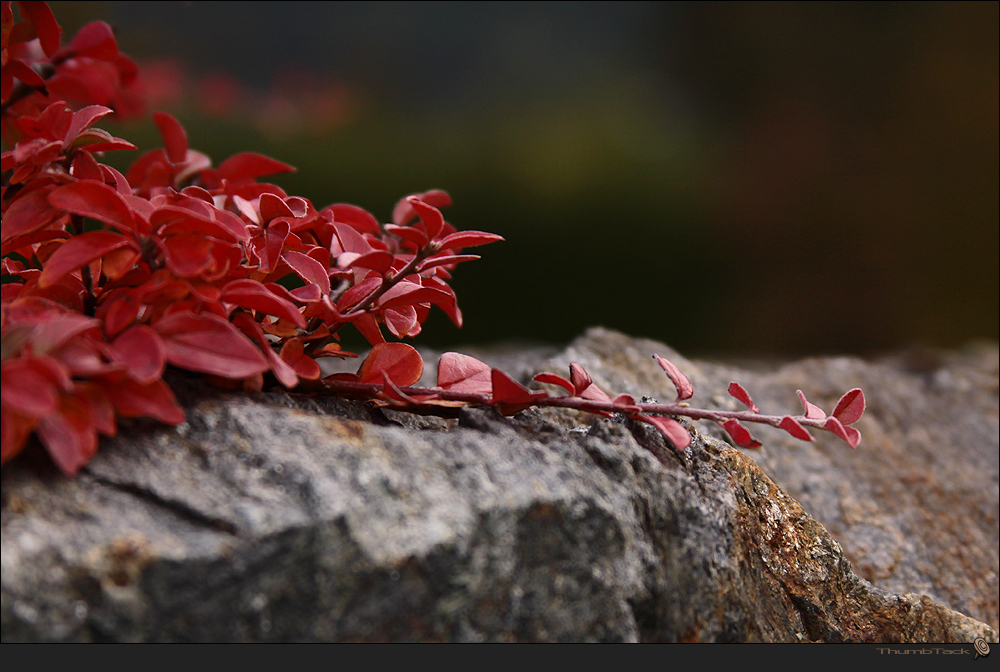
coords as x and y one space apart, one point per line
289 518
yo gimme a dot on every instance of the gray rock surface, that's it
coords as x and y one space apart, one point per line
280 517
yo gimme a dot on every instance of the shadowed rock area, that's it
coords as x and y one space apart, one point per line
278 517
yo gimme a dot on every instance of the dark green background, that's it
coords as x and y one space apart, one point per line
744 179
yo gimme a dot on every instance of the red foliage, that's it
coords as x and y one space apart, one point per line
110 278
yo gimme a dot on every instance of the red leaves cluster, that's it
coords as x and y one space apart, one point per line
463 380
108 278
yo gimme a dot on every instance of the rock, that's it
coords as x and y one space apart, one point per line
278 517
915 507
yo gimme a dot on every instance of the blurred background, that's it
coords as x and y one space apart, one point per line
745 179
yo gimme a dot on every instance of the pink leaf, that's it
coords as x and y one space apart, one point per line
506 390
812 411
740 394
580 378
741 435
462 373
401 362
793 427
850 407
553 379
671 429
684 388
392 391
626 404
850 435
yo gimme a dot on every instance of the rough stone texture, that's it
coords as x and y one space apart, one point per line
277 517
915 507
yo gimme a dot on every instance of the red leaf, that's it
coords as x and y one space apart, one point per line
671 429
429 215
95 40
133 399
461 239
305 366
741 435
252 294
79 251
367 326
401 362
69 435
141 350
21 70
209 344
358 292
684 388
282 370
28 213
174 138
793 427
377 260
580 378
271 207
391 391
506 390
44 22
84 119
187 254
626 402
31 385
250 166
850 435
404 211
445 260
850 407
416 236
361 220
463 373
553 379
95 200
812 411
740 394
402 321
409 293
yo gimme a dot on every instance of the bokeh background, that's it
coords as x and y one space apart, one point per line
746 179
